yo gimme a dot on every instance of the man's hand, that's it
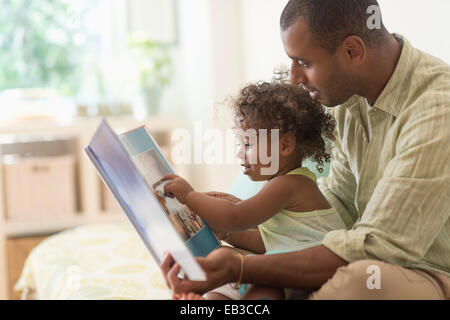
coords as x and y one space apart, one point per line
221 266
177 187
223 196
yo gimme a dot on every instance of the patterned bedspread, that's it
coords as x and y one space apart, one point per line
106 261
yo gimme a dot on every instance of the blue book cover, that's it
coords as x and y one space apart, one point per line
152 165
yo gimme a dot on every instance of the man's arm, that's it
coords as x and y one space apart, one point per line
308 269
410 205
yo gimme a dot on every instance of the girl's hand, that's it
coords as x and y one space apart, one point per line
177 187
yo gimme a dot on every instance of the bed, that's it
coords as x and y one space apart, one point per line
95 262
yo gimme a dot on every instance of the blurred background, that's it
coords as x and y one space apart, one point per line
168 64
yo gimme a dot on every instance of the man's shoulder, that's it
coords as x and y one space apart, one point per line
424 72
427 97
429 84
431 65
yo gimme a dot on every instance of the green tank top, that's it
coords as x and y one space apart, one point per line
291 231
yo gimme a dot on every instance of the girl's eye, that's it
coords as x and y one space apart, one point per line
243 144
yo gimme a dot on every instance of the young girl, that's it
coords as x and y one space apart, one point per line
290 212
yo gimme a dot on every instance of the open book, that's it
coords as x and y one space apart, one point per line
132 165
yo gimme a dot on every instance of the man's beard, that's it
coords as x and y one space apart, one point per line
340 90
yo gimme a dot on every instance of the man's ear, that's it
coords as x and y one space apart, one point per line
354 50
287 144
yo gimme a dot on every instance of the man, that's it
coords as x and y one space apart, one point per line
390 174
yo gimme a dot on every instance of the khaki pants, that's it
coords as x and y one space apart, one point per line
357 281
351 283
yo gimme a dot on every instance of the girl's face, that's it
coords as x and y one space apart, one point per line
249 154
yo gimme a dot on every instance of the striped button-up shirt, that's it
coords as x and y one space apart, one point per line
393 191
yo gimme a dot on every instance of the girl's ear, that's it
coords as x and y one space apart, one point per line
287 144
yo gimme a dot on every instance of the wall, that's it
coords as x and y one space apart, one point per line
210 69
424 23
263 49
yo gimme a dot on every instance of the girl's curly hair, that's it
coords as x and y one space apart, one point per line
289 108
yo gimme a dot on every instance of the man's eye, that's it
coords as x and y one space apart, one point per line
302 64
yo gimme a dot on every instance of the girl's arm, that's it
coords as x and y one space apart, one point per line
248 240
224 215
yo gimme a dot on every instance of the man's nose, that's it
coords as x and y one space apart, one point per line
297 74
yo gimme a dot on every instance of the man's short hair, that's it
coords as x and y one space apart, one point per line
331 21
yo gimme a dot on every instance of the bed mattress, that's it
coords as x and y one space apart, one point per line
106 261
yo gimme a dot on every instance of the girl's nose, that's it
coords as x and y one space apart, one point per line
241 152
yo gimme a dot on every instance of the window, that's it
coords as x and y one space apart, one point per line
81 48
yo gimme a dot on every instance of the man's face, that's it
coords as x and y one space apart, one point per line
314 67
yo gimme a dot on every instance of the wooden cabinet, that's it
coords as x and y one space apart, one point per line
40 187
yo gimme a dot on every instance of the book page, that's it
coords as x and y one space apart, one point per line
152 165
185 221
